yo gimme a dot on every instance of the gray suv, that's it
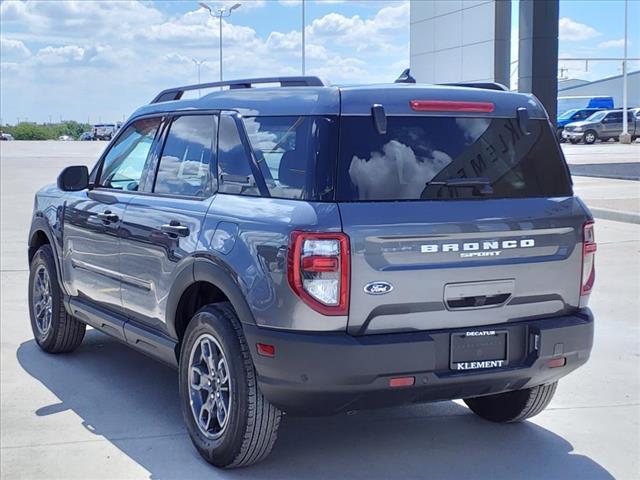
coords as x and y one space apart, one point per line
311 249
603 125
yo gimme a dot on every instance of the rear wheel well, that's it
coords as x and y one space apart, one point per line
38 239
193 299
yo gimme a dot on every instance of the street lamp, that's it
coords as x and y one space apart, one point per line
220 13
198 63
624 136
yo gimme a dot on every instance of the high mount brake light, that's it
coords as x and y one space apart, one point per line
451 106
589 248
318 270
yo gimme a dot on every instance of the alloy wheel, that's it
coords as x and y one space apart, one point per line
42 300
209 386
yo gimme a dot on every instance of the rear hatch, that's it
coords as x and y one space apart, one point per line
431 251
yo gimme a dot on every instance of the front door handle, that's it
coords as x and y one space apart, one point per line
108 216
174 228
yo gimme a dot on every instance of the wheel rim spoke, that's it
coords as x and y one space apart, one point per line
221 410
199 379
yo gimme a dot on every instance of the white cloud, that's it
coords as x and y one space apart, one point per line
77 18
362 34
13 50
59 55
613 43
574 31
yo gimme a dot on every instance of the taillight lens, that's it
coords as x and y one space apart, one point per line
318 270
451 106
589 248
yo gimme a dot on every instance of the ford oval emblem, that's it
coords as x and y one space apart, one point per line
378 288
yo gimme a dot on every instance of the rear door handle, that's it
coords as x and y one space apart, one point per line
175 229
108 216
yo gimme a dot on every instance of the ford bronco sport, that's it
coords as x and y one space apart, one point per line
311 249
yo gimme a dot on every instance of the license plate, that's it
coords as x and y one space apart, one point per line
479 350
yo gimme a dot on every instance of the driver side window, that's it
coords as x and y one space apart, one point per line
124 163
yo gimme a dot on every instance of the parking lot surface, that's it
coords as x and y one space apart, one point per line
106 411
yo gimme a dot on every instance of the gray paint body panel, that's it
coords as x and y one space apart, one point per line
386 240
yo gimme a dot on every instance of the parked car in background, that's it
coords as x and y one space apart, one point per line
572 103
104 131
6 136
603 125
574 115
65 138
86 136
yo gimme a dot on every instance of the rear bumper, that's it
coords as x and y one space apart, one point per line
315 374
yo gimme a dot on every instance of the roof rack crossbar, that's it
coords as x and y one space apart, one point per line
177 92
485 85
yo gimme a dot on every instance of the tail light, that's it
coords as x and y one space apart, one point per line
589 248
318 270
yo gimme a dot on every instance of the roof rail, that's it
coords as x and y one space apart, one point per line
177 92
485 85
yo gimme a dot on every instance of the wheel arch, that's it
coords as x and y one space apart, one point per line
209 282
39 235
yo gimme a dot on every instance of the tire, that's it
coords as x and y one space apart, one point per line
53 328
247 434
590 137
559 135
513 406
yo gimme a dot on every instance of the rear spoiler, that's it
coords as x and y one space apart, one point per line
484 85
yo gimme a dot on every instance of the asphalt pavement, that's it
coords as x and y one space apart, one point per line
106 411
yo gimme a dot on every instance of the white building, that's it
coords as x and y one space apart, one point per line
460 40
611 87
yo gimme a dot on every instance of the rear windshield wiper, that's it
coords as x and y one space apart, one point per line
480 185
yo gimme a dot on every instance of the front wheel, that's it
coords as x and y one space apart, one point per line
513 406
53 328
590 137
229 421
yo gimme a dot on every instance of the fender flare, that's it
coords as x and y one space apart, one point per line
212 271
40 224
218 274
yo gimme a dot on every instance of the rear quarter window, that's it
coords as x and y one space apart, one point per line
415 151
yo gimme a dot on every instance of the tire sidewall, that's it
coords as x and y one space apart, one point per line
225 448
44 256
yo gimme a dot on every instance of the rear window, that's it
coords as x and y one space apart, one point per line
415 151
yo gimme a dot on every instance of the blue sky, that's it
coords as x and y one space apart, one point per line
95 61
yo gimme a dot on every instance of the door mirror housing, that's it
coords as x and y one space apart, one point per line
74 178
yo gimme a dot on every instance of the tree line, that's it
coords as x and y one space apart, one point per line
46 131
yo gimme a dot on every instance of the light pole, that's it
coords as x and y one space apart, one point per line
198 63
303 41
220 13
624 136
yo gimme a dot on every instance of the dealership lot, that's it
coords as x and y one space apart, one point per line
109 412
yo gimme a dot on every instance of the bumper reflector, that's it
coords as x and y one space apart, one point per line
557 362
266 350
402 382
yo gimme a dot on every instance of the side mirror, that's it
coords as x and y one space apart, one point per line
74 179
